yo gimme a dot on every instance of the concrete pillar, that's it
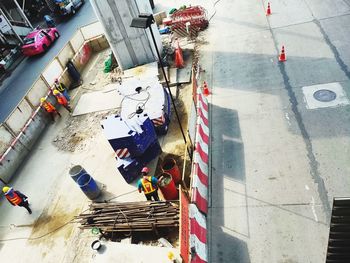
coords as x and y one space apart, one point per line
131 46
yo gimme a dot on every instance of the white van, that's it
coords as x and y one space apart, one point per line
68 7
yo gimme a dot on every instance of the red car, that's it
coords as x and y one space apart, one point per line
38 41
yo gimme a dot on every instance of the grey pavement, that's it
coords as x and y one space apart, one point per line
16 86
276 163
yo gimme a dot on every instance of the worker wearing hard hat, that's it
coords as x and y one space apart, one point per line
49 108
61 99
62 88
149 185
16 198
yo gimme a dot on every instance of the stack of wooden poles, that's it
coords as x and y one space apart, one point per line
130 216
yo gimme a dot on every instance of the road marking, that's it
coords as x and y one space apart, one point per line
306 187
288 120
313 209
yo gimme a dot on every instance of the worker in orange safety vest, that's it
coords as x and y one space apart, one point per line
149 185
61 99
49 108
16 198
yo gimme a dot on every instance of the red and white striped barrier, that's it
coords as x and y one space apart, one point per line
198 235
201 157
122 153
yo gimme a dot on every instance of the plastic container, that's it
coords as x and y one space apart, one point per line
76 171
88 186
169 166
167 187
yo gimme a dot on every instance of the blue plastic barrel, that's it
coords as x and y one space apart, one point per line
76 171
86 183
88 186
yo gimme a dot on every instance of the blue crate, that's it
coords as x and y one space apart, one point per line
130 168
135 134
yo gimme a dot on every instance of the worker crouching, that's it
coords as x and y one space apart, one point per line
149 185
61 99
16 198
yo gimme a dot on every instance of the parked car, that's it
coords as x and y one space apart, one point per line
39 40
69 7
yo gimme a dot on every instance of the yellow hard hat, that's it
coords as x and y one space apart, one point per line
5 189
42 99
55 92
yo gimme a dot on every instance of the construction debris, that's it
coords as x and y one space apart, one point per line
130 216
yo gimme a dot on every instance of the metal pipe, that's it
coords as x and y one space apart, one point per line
23 14
171 95
9 23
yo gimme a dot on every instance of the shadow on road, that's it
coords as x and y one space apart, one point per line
226 242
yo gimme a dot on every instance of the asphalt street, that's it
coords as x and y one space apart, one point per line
279 154
15 87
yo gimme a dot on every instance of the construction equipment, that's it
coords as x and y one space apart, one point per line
130 216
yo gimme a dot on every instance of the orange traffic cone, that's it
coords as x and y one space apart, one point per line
205 89
268 11
179 60
282 57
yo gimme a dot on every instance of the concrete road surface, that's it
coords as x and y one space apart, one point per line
279 155
15 87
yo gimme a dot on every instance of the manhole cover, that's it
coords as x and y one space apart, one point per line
325 95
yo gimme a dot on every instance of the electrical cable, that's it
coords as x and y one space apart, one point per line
140 105
217 1
61 226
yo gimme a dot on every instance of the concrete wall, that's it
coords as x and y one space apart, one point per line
131 46
21 147
5 138
25 124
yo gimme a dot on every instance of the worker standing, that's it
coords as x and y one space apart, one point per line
16 198
149 185
62 88
49 108
49 21
61 99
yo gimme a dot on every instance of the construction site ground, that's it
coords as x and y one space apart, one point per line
47 235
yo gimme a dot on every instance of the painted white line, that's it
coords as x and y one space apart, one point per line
307 187
288 120
313 209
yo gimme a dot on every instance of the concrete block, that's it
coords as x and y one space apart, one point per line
77 40
38 90
92 30
5 139
66 53
19 116
52 71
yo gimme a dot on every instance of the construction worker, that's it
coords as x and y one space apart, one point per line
149 185
62 88
49 108
16 198
61 99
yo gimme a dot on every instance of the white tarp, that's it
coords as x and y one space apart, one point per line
150 97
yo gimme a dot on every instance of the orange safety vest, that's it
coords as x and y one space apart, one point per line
147 185
48 107
61 99
16 199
